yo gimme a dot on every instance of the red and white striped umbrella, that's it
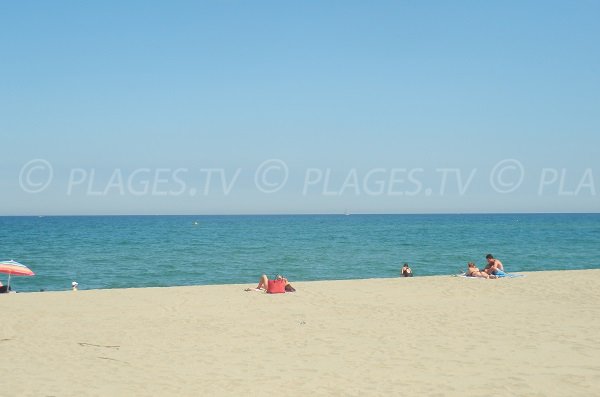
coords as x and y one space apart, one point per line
13 268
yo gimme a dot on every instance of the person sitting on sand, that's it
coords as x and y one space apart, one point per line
473 271
278 285
406 271
4 288
494 266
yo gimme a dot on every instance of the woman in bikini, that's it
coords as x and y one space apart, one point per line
473 271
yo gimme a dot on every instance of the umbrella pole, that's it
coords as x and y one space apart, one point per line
8 286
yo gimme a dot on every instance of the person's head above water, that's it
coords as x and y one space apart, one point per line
405 265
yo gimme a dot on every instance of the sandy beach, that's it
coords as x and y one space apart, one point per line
423 336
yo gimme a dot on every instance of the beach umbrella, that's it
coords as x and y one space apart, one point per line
13 268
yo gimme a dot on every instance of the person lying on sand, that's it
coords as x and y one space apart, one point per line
494 266
473 271
278 285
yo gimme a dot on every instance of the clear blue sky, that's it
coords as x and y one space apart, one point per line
106 87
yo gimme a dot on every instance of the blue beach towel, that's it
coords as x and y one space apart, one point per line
504 275
511 275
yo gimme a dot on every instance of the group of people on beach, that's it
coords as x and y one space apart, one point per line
494 269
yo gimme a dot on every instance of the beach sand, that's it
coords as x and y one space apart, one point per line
424 336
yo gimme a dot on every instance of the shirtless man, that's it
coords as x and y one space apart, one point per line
494 266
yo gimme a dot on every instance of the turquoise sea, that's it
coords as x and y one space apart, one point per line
142 251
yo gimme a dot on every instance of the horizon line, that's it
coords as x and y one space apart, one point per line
309 214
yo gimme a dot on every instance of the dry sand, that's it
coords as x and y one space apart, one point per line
424 336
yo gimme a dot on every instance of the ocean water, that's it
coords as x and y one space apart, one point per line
141 251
